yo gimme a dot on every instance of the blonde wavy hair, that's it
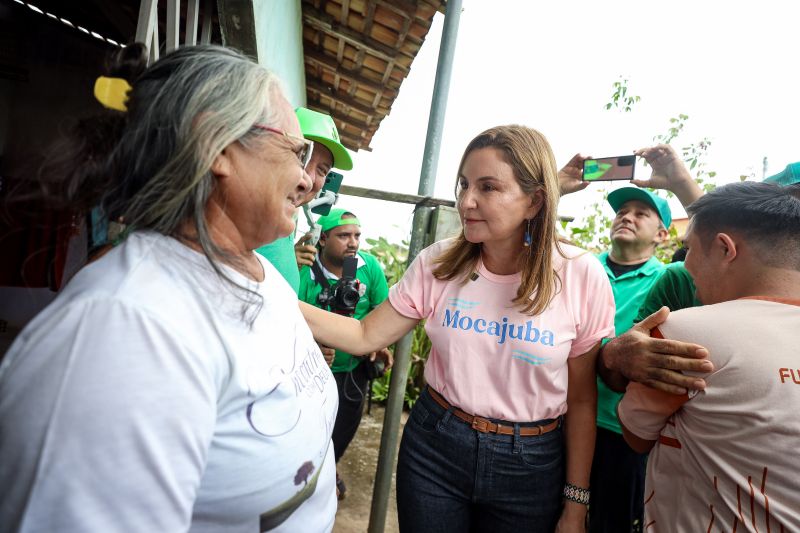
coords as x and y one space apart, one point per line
534 166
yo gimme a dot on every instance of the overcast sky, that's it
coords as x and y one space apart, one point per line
731 66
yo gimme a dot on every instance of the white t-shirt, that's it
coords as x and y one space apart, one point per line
140 400
726 457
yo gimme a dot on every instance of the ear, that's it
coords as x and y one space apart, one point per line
727 246
323 237
222 167
536 203
661 236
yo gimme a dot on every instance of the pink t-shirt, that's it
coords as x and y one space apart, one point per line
488 358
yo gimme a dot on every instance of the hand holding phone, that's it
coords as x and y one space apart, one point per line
609 168
332 183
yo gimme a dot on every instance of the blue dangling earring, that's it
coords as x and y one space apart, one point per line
526 240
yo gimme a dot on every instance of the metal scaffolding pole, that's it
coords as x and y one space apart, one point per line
402 356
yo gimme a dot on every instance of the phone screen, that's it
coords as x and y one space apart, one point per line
332 183
609 168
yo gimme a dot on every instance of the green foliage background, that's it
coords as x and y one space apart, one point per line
393 258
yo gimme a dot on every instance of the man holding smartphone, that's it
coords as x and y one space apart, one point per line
340 239
640 225
328 153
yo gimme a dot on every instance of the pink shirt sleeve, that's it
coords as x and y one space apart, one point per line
411 296
592 303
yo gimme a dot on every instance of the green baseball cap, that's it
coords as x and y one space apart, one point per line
320 128
626 194
788 176
334 219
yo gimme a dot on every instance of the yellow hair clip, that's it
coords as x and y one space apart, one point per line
112 92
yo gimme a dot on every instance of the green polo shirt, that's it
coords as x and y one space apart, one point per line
630 290
281 254
373 290
675 289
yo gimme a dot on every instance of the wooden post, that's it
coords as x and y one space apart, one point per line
153 44
205 37
144 26
192 9
173 25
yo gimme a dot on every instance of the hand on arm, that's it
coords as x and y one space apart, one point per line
669 172
658 363
328 353
380 328
579 431
304 252
570 178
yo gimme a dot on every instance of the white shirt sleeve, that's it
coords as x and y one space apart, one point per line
114 433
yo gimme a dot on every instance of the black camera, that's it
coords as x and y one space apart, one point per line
342 297
374 369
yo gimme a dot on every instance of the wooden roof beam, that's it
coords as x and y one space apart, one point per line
319 87
354 143
401 7
358 125
346 125
401 37
351 75
369 18
325 24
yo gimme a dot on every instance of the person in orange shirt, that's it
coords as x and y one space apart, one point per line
725 457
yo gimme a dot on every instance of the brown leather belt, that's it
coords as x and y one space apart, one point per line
483 425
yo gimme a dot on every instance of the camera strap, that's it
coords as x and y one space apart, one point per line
319 277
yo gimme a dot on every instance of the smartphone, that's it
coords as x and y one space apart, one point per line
332 183
609 168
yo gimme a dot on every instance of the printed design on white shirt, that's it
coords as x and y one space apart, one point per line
307 377
464 315
275 517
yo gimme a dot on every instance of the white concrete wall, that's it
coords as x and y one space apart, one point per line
279 32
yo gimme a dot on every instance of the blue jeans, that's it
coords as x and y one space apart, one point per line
453 478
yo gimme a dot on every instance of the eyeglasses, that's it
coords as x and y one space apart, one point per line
304 155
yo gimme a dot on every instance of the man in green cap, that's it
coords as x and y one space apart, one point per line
640 225
328 153
341 233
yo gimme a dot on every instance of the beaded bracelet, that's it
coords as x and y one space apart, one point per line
576 494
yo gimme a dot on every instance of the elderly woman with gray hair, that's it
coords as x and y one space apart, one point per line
173 385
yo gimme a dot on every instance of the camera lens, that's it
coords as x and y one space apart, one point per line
350 297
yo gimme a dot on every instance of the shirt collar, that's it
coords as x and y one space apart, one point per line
330 275
652 266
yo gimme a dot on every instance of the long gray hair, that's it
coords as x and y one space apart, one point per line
151 166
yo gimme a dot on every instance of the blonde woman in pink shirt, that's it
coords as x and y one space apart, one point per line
502 439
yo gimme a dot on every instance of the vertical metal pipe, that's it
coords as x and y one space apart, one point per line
427 181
